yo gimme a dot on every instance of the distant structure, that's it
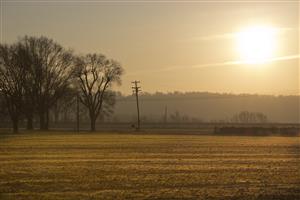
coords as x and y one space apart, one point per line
77 113
166 115
136 89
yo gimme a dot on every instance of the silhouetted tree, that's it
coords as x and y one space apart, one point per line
249 117
12 78
109 101
25 61
66 104
49 73
95 75
4 115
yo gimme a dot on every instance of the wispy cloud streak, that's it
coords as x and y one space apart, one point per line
230 63
232 35
218 64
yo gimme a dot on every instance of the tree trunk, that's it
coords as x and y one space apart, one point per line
47 120
14 115
56 116
42 120
15 122
93 118
29 122
93 124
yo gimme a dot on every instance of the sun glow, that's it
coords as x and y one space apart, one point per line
256 45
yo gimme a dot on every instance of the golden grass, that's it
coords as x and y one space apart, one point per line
139 166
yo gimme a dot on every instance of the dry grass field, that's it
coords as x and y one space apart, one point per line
139 166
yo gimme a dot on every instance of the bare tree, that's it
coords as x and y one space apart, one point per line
49 73
3 109
109 101
96 74
65 105
25 61
12 77
249 117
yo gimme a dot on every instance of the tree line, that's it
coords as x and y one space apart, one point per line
36 72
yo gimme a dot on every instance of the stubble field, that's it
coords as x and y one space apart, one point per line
72 166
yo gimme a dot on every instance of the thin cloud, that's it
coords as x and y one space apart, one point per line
240 62
219 64
232 35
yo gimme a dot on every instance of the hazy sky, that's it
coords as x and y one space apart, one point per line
169 45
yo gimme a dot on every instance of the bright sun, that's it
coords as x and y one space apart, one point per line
256 44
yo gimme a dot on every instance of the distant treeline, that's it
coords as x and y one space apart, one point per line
190 107
208 107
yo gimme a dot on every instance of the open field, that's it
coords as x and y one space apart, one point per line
139 166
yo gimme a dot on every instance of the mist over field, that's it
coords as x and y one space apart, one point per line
207 107
179 107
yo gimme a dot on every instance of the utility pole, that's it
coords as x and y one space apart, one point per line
136 89
77 112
